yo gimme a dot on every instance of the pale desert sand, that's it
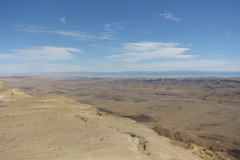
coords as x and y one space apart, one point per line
60 128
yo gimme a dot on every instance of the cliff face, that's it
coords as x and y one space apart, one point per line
202 147
56 127
2 86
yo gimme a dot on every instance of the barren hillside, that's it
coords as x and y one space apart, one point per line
56 127
203 111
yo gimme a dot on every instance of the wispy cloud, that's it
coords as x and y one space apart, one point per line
40 67
111 30
224 35
169 65
107 36
228 34
151 50
175 65
63 20
40 53
78 35
30 28
170 15
112 27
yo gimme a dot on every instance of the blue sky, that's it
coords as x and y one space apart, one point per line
119 35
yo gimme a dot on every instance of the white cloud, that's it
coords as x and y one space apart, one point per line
172 65
151 50
146 46
169 15
30 28
175 65
202 65
42 53
79 35
107 36
111 29
63 20
76 34
40 67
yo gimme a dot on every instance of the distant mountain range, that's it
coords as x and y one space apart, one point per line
169 74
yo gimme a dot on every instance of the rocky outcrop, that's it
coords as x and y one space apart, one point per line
2 86
234 153
174 135
203 147
203 152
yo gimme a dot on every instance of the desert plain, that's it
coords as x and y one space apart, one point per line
120 118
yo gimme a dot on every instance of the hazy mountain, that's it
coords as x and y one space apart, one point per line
130 74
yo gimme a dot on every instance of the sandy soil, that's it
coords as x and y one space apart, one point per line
204 111
59 128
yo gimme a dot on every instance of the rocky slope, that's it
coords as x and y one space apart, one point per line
59 128
205 148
